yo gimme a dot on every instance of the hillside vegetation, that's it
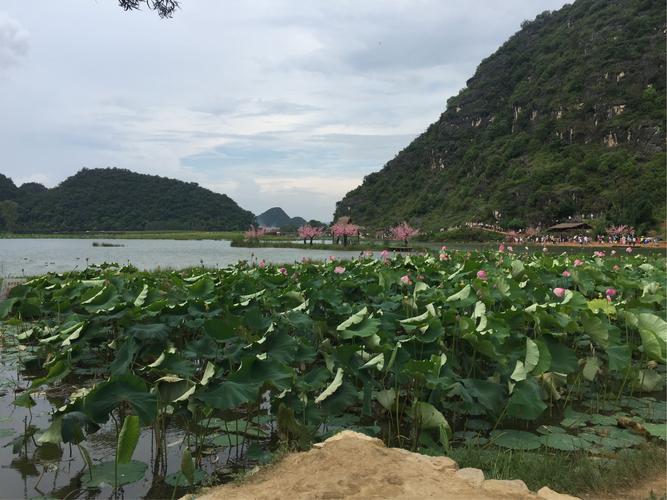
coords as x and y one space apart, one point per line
112 199
566 118
277 217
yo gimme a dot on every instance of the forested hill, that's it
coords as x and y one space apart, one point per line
277 217
111 199
566 117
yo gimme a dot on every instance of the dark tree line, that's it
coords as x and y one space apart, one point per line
113 199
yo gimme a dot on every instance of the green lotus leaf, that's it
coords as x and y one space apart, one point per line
179 479
203 288
653 332
227 395
106 299
367 327
222 329
104 474
6 307
128 439
124 357
526 401
106 396
463 294
515 440
333 386
357 317
657 430
563 442
591 368
563 358
597 329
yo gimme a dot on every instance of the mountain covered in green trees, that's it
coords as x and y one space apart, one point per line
112 199
566 118
277 217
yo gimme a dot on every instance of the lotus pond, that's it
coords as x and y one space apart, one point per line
128 383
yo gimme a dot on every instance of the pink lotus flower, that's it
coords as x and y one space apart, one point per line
283 271
628 250
339 270
566 274
332 258
559 292
578 262
443 248
501 248
384 254
611 292
406 280
444 256
598 253
262 264
481 274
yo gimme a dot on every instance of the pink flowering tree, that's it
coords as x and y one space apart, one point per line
344 230
254 233
404 232
621 230
308 232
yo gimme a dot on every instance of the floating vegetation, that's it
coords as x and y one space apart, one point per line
106 244
426 352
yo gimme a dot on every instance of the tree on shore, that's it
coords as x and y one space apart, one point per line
403 232
254 233
8 215
309 232
344 230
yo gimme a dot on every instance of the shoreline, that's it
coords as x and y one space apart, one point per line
288 241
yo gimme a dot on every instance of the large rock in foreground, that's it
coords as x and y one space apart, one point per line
355 466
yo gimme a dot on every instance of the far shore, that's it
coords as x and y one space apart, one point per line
290 241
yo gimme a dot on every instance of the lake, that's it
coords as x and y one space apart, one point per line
29 257
35 256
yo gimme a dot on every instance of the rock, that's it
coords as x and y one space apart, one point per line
514 487
349 435
548 494
438 463
472 476
444 463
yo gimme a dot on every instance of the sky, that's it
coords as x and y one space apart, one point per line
284 103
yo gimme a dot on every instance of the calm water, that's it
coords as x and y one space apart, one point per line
52 471
29 257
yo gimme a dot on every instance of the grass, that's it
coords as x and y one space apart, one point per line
573 473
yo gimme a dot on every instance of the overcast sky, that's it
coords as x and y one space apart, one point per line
273 102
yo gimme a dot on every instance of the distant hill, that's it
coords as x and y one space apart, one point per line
112 199
276 217
567 117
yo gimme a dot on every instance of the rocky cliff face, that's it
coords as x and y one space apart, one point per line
567 117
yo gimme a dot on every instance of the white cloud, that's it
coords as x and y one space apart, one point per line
336 186
273 102
13 42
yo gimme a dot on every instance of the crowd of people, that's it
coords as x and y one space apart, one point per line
580 239
614 235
